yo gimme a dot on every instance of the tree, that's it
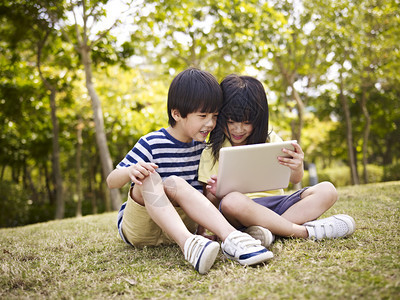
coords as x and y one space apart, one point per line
214 35
85 42
35 32
60 207
374 24
359 38
296 62
330 22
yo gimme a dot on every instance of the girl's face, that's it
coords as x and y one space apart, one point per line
238 132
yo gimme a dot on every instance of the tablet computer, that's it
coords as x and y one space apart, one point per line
252 168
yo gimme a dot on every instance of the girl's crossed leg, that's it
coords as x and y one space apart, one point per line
241 211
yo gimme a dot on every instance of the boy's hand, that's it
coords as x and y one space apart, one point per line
138 172
212 185
295 162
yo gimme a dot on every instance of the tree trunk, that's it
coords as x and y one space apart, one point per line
367 129
79 128
298 129
349 134
300 113
3 168
388 153
101 139
60 206
92 192
30 184
290 80
47 180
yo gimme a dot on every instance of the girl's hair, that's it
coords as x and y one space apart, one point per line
191 91
244 101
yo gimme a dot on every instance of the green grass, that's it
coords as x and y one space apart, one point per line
84 259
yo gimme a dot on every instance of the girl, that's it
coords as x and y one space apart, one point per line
243 120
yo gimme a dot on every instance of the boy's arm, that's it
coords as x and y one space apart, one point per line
135 173
118 178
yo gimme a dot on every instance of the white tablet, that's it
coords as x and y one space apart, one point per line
252 168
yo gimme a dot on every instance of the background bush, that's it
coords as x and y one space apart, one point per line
17 209
340 176
391 173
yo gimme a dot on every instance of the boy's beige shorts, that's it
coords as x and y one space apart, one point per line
140 230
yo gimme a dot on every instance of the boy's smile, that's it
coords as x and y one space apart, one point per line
195 126
205 133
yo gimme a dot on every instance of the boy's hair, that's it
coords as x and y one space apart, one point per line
244 101
193 90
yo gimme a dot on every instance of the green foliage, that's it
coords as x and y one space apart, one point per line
24 121
17 207
198 33
340 176
135 105
391 173
276 41
104 54
356 36
375 173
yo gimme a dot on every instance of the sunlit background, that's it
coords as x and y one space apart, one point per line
74 72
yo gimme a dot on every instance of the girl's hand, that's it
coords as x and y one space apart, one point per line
295 162
212 185
139 171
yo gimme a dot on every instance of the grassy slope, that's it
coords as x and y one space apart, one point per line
83 258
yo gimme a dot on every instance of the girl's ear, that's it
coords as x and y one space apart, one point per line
176 114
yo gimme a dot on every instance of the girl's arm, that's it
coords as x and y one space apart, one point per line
296 175
210 190
295 162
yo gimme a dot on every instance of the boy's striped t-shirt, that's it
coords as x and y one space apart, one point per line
172 157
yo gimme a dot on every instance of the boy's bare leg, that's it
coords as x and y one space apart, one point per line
162 211
197 206
240 210
236 245
315 201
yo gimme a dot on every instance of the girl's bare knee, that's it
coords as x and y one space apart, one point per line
232 202
329 192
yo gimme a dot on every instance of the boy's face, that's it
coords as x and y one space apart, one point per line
197 125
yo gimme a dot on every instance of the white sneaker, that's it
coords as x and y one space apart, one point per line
246 250
201 252
330 228
262 234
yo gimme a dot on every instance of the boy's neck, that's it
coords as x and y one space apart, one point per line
179 134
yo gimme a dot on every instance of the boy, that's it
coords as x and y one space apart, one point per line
165 200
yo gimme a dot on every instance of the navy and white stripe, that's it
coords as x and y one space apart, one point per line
173 157
119 223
